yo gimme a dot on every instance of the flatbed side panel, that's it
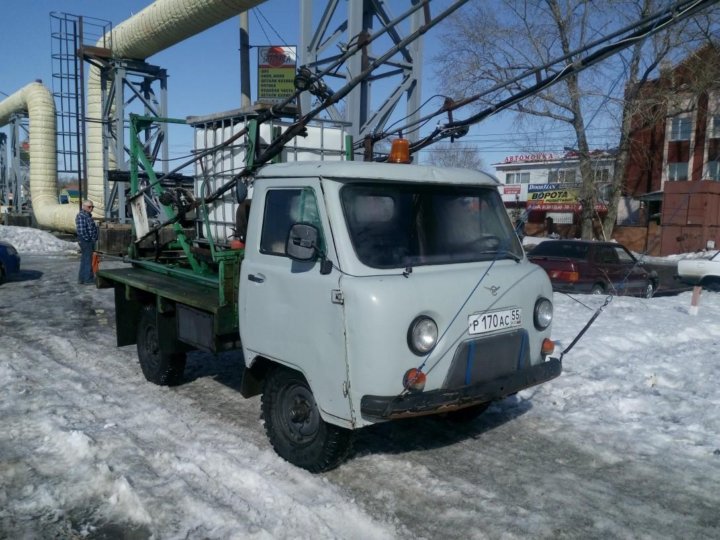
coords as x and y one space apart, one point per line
134 287
173 288
127 314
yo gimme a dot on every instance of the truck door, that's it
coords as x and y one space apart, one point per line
289 311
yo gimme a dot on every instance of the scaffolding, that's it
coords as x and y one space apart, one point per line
69 34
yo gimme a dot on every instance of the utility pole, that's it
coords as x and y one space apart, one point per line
245 100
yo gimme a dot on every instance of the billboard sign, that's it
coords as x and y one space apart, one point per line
276 73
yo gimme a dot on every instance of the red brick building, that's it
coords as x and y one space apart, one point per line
674 165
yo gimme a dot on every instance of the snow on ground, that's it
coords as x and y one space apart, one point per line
624 444
28 240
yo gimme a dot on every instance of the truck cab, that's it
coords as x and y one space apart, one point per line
375 291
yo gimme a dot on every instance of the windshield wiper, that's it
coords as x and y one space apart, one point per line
501 254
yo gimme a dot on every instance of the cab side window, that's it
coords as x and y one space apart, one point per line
607 255
284 208
624 256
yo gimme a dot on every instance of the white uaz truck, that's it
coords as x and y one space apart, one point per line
365 292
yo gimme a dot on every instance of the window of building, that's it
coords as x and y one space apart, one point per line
517 178
715 128
602 175
677 172
562 176
714 170
680 128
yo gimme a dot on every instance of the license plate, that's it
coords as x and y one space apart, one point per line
481 323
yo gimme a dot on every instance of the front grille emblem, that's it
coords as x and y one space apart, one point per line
493 290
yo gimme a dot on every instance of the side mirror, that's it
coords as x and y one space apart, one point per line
302 242
241 190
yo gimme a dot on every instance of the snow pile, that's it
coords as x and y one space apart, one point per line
702 254
27 240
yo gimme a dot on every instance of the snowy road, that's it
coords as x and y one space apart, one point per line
626 444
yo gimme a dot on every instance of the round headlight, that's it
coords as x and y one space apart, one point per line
422 335
543 313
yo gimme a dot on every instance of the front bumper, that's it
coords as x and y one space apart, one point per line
443 400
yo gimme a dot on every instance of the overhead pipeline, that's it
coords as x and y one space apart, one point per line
37 101
155 28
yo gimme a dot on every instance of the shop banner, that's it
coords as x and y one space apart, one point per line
539 194
557 198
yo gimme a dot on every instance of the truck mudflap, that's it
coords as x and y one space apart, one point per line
445 400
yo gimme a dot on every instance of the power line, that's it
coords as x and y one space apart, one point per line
262 26
259 11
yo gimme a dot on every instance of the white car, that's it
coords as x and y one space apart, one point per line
701 271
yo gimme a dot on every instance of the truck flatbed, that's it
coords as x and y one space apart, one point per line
204 308
175 288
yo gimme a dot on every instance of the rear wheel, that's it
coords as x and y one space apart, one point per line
294 426
158 366
649 290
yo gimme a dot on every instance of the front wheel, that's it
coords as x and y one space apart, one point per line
158 366
712 284
294 426
597 289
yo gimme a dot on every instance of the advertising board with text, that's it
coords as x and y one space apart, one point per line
556 197
276 73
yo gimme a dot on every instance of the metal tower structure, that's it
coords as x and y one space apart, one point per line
128 86
17 178
131 87
68 34
325 35
68 93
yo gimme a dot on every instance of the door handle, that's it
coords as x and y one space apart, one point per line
256 279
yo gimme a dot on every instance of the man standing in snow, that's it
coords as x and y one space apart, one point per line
87 233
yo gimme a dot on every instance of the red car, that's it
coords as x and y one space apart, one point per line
581 266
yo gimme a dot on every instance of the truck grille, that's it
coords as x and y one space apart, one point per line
487 358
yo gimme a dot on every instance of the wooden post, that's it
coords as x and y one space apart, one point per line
695 301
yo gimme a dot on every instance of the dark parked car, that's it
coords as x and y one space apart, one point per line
9 260
580 266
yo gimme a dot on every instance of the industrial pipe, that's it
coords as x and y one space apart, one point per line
155 28
37 100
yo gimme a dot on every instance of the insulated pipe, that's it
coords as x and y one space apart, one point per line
37 100
155 28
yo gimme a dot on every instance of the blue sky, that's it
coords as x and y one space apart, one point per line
204 72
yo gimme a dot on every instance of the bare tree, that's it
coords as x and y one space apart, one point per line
490 43
643 111
455 155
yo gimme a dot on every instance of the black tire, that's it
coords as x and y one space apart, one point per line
649 290
294 426
712 284
158 366
466 415
597 289
2 274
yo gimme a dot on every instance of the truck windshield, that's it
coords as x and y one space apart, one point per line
400 225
